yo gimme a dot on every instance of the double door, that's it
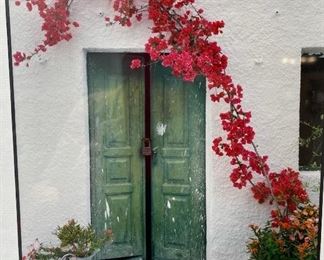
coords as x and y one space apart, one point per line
147 148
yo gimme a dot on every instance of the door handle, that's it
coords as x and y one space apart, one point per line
155 150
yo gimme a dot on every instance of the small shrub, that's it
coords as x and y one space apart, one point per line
291 237
74 239
77 240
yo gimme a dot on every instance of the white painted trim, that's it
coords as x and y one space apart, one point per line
8 213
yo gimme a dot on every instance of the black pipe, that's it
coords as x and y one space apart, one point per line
13 118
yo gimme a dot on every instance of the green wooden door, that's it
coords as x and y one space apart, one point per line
178 187
116 130
116 112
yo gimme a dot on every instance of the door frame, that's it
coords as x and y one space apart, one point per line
147 132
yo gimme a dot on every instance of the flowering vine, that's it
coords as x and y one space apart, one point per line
180 30
56 25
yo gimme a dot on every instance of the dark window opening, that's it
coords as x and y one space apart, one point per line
311 111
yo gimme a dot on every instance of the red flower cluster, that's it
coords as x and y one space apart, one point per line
183 34
127 9
136 63
288 189
19 57
260 191
56 25
156 46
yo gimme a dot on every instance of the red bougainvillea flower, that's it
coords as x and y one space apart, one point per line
261 192
288 188
19 57
136 63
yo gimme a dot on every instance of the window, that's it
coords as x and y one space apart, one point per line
311 110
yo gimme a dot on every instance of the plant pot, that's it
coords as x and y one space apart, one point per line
83 258
73 257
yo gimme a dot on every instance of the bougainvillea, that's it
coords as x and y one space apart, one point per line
180 30
56 25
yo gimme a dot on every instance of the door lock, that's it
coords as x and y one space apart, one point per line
146 148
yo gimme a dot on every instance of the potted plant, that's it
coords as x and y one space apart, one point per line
76 242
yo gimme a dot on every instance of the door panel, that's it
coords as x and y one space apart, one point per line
178 186
116 130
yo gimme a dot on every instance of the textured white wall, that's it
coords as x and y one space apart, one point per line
52 120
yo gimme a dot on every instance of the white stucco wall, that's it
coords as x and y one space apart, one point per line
52 120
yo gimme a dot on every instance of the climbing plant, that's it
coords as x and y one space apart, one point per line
180 29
